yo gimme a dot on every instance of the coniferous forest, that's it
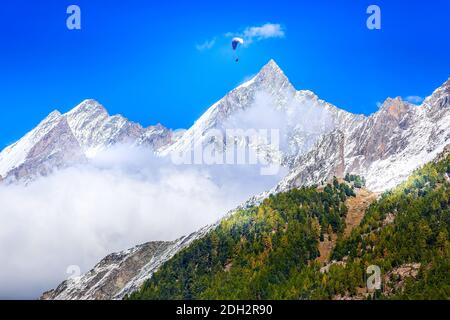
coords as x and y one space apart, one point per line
270 251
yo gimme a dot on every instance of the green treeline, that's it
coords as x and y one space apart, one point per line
268 252
254 253
410 224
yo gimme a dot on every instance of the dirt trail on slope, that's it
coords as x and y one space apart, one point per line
326 247
357 207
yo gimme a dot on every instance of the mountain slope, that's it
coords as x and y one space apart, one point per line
254 250
122 273
62 140
107 277
50 145
406 234
266 252
384 148
96 130
268 101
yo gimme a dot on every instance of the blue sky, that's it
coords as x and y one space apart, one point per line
144 59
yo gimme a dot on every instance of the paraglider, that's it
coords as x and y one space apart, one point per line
235 43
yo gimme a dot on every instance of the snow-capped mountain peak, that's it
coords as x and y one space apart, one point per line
384 147
88 106
16 154
55 114
268 101
63 139
440 97
97 130
395 108
47 146
271 72
273 65
397 131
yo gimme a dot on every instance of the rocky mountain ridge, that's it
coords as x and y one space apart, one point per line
62 140
319 141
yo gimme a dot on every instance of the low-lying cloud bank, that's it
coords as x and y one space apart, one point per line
125 197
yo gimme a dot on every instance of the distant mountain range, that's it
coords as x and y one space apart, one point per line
62 140
318 142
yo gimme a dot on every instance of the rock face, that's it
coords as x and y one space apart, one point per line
319 141
395 280
96 130
121 273
328 155
110 275
269 101
62 140
384 148
50 145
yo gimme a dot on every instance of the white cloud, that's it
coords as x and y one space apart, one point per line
258 33
207 45
126 197
266 31
301 118
414 99
250 34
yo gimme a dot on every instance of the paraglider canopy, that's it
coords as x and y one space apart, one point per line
236 41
